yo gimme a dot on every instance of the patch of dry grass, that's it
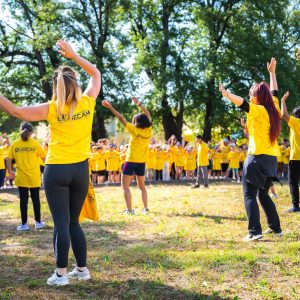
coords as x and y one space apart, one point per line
188 247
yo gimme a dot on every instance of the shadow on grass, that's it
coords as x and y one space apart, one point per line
217 219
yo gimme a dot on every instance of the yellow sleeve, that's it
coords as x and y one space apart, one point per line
253 110
131 128
40 151
294 123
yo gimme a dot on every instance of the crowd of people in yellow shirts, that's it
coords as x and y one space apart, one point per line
171 161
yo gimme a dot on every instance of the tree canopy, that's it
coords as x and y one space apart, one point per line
173 53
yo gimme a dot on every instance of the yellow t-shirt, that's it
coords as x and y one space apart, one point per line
225 151
216 158
160 158
70 139
179 156
234 159
27 155
190 161
280 156
258 125
242 156
294 124
286 155
203 155
138 143
151 158
2 157
171 153
112 160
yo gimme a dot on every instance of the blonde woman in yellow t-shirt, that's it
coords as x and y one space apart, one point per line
140 134
66 176
27 153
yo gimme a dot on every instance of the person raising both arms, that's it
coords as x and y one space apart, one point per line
66 176
260 166
294 164
27 153
140 134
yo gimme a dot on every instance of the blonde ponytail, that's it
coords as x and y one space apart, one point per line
60 93
66 90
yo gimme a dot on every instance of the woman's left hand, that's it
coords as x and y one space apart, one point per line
65 49
223 90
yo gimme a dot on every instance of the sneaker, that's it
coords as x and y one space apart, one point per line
271 231
206 186
39 225
56 280
293 210
23 227
252 237
145 211
274 196
195 186
128 212
76 274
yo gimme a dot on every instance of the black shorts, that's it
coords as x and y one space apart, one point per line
99 173
241 165
224 166
132 168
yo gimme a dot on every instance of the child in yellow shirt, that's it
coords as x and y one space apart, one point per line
160 158
234 162
216 158
113 160
190 162
179 160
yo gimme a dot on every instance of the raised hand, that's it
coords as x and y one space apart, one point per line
285 96
106 104
135 100
222 90
271 66
65 49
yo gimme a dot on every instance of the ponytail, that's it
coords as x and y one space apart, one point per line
65 90
26 130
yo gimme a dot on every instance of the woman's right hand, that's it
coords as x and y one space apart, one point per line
271 66
12 175
65 49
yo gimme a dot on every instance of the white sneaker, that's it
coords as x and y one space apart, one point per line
145 211
274 196
55 280
23 227
39 225
128 212
76 274
271 231
252 237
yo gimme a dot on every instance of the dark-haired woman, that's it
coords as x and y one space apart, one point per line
294 164
27 153
140 134
260 167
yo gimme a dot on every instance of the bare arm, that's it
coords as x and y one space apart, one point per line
27 113
284 110
143 108
9 168
94 84
237 100
115 112
272 70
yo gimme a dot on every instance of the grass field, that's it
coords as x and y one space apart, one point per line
189 247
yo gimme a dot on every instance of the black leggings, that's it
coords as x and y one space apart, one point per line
66 187
252 209
35 197
294 180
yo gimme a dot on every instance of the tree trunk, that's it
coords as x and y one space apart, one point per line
209 110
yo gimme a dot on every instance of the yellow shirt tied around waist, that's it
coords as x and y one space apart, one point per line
70 138
203 151
294 124
27 155
258 124
138 143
